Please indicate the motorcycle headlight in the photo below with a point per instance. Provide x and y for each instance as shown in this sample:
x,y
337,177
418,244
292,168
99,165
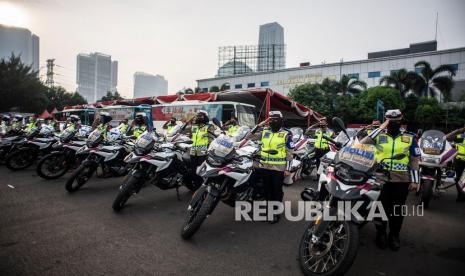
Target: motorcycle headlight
x,y
432,160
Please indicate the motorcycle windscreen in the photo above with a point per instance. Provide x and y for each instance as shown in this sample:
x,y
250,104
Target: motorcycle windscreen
x,y
360,157
222,146
433,142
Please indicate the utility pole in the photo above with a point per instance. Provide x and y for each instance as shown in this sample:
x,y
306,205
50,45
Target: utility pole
x,y
49,82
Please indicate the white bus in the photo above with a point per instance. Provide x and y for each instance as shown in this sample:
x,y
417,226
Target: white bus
x,y
222,110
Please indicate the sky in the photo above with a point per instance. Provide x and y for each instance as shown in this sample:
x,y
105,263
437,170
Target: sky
x,y
180,39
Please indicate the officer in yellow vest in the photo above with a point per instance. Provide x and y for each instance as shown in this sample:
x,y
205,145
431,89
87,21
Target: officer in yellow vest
x,y
170,125
231,126
458,136
32,123
17,123
201,133
321,145
138,126
123,126
273,167
402,174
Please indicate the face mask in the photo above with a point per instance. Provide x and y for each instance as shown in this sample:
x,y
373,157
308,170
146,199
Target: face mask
x,y
275,125
393,128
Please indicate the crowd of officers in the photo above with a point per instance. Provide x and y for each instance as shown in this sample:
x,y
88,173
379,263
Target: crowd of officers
x,y
388,138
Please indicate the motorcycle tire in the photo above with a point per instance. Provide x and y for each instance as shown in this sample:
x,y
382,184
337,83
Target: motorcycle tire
x,y
203,202
20,159
80,176
127,189
58,160
346,255
426,193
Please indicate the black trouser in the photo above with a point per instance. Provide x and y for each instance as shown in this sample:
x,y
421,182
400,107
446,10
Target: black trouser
x,y
459,166
393,197
272,184
195,162
319,153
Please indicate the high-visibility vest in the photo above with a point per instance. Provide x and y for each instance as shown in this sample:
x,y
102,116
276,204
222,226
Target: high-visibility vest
x,y
387,147
232,130
170,127
276,141
320,142
138,130
460,147
199,138
123,128
30,125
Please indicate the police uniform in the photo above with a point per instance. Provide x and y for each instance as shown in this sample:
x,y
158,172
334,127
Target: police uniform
x,y
400,174
232,129
321,144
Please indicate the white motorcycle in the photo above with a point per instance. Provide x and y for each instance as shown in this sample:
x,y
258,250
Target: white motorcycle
x,y
108,157
163,164
436,154
303,154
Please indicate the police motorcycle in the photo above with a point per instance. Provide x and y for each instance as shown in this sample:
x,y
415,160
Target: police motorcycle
x,y
436,154
63,156
162,162
227,174
10,142
107,155
38,143
303,154
329,246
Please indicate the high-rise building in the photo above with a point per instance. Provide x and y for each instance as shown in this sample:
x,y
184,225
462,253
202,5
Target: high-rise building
x,y
96,74
20,42
146,85
271,47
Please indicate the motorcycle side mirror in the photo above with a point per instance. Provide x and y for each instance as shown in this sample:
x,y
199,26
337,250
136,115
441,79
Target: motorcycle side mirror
x,y
339,125
270,151
216,122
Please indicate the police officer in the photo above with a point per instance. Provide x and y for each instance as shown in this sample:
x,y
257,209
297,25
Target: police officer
x,y
17,123
321,145
32,123
103,121
201,133
402,174
73,123
459,162
139,125
231,126
123,126
273,167
170,125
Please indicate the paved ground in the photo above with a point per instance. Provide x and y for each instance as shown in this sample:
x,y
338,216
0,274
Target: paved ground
x,y
46,231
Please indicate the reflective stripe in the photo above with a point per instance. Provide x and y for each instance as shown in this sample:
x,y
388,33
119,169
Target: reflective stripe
x,y
320,142
387,147
275,141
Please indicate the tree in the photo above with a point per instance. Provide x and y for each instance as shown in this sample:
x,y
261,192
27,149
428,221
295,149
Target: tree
x,y
111,97
188,91
349,85
400,80
197,90
59,98
435,82
312,96
225,86
214,88
367,105
428,113
20,88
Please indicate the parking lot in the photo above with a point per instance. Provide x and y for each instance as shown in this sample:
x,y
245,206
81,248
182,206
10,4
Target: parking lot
x,y
46,231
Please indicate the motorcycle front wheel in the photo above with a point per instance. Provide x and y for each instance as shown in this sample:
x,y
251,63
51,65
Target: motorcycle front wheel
x,y
20,159
333,254
127,189
426,192
79,177
199,208
52,166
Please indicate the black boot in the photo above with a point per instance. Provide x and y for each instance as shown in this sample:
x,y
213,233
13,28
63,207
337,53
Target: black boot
x,y
381,239
394,242
460,197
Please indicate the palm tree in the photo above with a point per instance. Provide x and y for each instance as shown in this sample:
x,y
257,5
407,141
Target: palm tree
x,y
350,85
400,80
224,86
214,88
433,82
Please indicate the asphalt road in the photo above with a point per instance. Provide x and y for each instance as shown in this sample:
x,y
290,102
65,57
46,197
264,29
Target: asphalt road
x,y
46,231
